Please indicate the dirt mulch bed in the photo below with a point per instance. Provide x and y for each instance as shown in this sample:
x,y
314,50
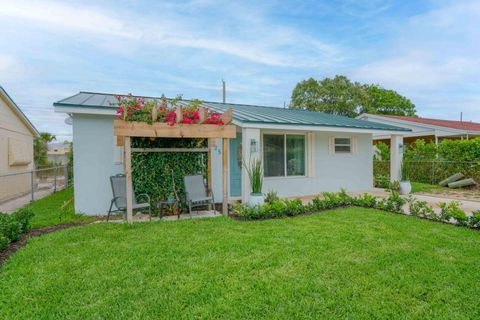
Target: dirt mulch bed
x,y
13,247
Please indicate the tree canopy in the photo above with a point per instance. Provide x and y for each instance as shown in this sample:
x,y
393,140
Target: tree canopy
x,y
40,148
343,97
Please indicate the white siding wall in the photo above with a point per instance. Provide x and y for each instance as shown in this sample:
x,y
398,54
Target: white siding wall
x,y
93,162
331,172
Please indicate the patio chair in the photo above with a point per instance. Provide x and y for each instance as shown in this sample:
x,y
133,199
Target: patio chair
x,y
119,191
196,193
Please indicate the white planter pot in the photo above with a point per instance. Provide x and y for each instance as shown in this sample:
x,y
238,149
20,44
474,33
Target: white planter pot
x,y
255,199
405,187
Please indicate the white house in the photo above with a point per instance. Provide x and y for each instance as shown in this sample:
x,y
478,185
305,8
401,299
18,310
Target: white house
x,y
304,153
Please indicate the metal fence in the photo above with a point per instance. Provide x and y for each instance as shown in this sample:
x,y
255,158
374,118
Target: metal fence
x,y
431,172
20,188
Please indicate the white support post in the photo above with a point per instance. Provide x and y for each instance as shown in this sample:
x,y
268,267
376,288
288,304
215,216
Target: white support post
x,y
396,157
251,150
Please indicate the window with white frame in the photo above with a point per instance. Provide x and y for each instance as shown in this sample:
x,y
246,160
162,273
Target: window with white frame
x,y
343,145
283,155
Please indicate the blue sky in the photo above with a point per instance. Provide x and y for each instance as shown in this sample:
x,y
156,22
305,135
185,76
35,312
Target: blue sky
x,y
426,50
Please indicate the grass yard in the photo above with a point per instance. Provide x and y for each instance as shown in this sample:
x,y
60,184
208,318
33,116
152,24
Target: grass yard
x,y
424,187
346,263
55,209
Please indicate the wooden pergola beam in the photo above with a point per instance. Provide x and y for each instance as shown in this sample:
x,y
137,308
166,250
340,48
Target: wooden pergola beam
x,y
164,130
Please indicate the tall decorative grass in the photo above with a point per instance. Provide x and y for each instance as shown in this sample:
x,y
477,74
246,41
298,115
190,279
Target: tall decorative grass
x,y
255,174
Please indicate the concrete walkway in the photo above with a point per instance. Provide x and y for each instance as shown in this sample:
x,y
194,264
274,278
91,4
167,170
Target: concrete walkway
x,y
11,205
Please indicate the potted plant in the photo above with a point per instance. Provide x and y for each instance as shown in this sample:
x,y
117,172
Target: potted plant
x,y
255,175
405,187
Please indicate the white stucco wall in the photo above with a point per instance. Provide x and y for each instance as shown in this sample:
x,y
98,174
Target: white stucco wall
x,y
331,172
93,162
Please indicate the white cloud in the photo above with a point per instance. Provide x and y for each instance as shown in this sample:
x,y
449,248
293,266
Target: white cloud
x,y
77,17
434,49
256,40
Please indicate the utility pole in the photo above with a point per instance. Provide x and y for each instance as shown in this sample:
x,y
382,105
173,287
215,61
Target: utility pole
x,y
224,91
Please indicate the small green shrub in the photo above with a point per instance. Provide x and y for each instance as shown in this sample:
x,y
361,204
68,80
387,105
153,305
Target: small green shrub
x,y
344,199
23,216
452,210
393,203
420,208
271,196
9,227
331,200
294,207
4,241
366,200
317,204
474,219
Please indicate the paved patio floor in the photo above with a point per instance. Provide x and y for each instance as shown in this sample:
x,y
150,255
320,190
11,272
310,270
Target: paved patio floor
x,y
201,214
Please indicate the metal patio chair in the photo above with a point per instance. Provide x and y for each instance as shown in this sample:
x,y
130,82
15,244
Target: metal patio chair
x,y
119,191
196,193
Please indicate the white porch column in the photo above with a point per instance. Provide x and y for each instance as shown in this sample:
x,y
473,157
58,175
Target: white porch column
x,y
251,150
396,157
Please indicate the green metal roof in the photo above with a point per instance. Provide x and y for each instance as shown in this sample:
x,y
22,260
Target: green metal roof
x,y
242,113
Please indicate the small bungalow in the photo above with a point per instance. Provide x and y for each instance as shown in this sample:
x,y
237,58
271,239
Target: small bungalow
x,y
303,153
430,130
16,148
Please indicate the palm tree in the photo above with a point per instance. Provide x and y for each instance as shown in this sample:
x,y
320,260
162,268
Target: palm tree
x,y
40,147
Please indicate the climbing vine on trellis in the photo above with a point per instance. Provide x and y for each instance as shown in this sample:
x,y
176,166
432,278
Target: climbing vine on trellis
x,y
152,172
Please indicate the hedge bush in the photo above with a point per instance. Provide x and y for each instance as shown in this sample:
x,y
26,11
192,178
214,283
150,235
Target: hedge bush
x,y
152,171
278,208
13,225
431,163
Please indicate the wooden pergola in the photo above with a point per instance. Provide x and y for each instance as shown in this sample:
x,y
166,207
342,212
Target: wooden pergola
x,y
125,130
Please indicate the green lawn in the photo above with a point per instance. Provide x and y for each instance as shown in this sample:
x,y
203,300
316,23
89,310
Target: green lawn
x,y
424,187
346,263
54,209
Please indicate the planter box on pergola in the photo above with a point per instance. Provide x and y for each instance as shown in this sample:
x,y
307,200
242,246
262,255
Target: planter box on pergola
x,y
124,130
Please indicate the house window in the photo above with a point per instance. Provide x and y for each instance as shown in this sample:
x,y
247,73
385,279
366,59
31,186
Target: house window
x,y
283,155
343,145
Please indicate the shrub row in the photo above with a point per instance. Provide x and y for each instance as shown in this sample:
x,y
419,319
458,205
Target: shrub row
x,y
13,225
277,208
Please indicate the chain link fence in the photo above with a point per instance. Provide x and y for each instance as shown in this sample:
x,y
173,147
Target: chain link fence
x,y
20,188
431,172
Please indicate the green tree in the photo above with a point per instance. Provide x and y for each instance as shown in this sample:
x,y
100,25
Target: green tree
x,y
383,101
40,148
344,97
336,96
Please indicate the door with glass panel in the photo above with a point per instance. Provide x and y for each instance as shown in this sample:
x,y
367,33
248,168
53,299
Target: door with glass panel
x,y
235,156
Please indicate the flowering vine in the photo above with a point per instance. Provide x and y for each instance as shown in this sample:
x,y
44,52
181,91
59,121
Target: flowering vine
x,y
131,108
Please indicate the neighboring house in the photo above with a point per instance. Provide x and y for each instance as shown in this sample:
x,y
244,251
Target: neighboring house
x,y
16,148
430,130
58,153
304,153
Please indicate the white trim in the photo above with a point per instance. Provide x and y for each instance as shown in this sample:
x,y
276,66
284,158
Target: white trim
x,y
93,110
316,128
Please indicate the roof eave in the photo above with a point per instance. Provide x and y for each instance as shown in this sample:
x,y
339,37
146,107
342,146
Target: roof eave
x,y
19,112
